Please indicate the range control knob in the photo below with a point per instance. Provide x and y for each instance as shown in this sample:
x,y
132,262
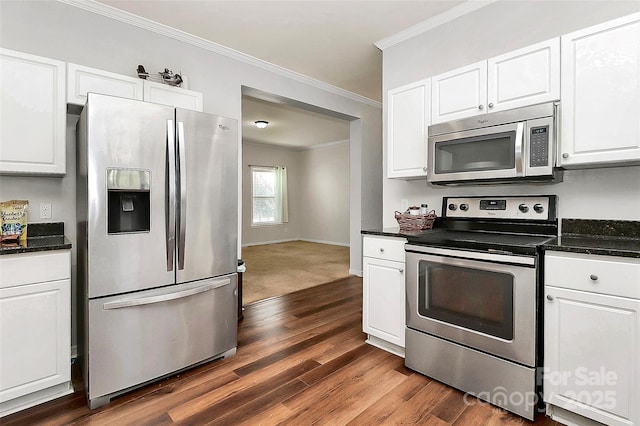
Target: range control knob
x,y
523,208
464,207
538,208
453,207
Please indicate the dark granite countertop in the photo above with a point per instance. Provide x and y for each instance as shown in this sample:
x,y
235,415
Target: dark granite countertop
x,y
392,232
600,237
40,237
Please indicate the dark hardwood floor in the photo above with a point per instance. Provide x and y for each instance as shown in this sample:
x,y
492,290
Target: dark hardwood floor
x,y
301,360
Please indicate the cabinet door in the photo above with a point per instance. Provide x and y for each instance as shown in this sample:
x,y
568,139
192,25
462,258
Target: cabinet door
x,y
591,352
601,94
408,115
82,80
383,310
33,120
164,94
459,93
35,330
524,77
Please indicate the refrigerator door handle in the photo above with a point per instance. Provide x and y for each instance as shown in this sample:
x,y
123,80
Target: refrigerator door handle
x,y
171,204
183,194
117,304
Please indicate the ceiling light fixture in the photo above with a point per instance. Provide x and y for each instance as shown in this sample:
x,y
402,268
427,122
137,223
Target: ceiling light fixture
x,y
261,124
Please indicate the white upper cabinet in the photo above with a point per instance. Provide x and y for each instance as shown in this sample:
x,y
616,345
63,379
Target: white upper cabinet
x,y
33,119
601,95
164,94
82,80
459,93
526,76
408,115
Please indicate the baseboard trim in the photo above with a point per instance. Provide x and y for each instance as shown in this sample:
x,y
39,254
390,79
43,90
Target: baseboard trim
x,y
357,273
35,398
384,345
332,243
261,243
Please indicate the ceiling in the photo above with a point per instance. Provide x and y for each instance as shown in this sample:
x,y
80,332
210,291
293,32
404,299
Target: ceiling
x,y
289,126
330,41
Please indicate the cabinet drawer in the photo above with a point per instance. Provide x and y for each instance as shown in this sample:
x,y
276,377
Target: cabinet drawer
x,y
610,275
387,248
31,268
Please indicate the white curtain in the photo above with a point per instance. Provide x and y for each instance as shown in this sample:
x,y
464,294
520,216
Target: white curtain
x,y
282,200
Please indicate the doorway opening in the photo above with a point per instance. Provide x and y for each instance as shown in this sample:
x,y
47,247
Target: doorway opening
x,y
303,241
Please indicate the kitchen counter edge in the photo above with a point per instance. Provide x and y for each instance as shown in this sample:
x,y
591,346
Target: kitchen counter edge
x,y
391,232
598,237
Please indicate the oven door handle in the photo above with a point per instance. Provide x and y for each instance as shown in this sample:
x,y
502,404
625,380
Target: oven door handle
x,y
500,257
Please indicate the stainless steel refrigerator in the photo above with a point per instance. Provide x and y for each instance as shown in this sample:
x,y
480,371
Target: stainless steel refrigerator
x,y
157,213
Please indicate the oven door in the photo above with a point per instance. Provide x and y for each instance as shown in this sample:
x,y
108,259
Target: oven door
x,y
489,153
480,300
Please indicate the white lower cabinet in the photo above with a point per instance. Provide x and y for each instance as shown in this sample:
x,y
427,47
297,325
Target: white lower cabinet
x,y
383,310
592,339
35,329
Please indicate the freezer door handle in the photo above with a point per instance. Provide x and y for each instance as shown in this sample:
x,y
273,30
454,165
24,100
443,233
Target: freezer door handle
x,y
183,194
171,195
127,303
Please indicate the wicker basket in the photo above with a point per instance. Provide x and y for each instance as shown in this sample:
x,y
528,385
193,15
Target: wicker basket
x,y
412,222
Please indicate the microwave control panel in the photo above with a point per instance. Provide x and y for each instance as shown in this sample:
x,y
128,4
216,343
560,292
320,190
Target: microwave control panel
x,y
539,146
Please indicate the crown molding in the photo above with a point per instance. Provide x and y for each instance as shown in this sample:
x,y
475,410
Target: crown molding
x,y
440,19
165,30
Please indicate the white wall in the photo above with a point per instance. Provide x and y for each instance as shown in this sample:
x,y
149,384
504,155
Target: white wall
x,y
324,210
610,193
318,193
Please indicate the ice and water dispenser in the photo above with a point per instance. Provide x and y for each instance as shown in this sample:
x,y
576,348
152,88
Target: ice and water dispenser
x,y
128,201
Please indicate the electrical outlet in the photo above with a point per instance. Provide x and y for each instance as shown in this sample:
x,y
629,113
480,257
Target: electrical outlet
x,y
45,210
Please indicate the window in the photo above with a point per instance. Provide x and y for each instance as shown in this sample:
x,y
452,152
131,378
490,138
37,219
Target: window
x,y
269,195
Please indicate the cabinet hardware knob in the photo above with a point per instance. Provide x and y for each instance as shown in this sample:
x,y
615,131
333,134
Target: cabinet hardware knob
x,y
381,250
593,277
549,297
491,105
424,169
480,106
401,271
565,155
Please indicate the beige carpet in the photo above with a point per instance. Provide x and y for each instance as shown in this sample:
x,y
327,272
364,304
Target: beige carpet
x,y
276,269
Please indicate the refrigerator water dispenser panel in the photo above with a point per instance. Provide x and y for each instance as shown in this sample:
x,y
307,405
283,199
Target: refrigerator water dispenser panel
x,y
128,197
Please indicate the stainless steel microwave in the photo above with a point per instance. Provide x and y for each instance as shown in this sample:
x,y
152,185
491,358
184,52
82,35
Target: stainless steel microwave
x,y
516,145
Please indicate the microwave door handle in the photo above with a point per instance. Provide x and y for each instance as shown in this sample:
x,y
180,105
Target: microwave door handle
x,y
183,195
519,154
170,215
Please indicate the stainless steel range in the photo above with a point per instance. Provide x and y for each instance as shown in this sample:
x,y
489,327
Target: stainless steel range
x,y
473,297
